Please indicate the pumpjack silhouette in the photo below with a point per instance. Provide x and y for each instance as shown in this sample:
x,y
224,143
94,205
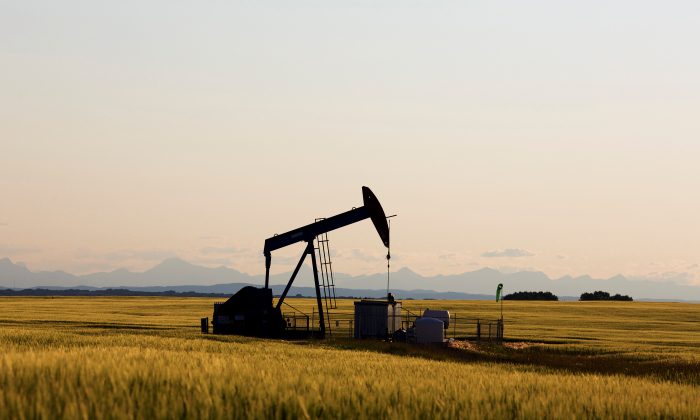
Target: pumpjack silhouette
x,y
251,312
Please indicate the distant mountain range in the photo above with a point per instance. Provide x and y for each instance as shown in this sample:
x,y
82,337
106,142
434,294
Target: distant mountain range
x,y
181,276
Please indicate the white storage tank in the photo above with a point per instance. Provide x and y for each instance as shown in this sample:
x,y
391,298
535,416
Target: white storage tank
x,y
441,314
429,330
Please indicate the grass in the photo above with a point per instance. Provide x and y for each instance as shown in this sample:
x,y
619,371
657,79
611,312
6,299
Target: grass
x,y
145,358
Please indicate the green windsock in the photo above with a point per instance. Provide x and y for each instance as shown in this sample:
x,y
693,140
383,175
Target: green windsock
x,y
498,292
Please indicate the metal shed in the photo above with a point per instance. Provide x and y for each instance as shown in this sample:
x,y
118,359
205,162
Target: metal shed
x,y
377,318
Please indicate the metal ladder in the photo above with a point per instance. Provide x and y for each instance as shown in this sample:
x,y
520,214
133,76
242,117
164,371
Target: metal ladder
x,y
326,270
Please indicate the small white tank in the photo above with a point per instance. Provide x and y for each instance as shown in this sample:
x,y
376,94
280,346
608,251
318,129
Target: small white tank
x,y
441,314
429,330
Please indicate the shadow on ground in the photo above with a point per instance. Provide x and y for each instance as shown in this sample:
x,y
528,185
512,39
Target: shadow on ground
x,y
536,355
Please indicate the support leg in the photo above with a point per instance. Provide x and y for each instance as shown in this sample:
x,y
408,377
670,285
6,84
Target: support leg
x,y
310,250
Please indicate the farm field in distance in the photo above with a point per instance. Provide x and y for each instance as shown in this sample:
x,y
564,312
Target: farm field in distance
x,y
146,358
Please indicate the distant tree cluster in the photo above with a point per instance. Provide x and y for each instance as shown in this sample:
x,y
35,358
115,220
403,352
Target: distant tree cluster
x,y
599,295
106,292
531,296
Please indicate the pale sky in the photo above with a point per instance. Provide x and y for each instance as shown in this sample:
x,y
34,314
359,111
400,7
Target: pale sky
x,y
558,136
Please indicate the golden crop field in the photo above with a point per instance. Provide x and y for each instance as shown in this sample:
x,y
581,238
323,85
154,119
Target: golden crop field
x,y
145,358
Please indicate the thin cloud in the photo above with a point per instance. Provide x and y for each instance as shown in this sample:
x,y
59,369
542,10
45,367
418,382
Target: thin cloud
x,y
450,256
363,256
219,250
508,253
142,255
214,250
12,249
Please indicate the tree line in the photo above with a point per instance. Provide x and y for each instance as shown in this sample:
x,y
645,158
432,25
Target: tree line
x,y
105,292
531,296
600,295
597,295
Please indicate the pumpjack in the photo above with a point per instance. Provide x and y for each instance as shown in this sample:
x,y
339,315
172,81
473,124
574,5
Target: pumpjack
x,y
251,312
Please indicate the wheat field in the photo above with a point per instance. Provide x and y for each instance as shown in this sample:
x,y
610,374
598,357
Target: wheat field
x,y
145,358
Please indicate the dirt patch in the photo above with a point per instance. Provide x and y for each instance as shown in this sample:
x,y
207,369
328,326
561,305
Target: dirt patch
x,y
519,345
474,346
463,345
